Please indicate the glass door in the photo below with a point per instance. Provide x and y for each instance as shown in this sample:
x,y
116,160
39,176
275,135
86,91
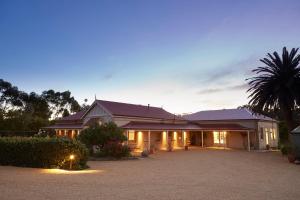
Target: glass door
x,y
219,137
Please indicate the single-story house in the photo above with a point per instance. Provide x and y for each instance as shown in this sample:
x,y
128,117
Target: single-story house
x,y
149,127
230,127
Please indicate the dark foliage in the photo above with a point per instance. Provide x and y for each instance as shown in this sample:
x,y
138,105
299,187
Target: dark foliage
x,y
42,152
114,149
277,85
20,111
106,138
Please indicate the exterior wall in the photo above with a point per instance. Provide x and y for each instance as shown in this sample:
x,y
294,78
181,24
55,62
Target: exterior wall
x,y
158,140
97,112
255,141
262,139
236,140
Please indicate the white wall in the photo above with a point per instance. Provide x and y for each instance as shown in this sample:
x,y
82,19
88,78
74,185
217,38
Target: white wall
x,y
268,125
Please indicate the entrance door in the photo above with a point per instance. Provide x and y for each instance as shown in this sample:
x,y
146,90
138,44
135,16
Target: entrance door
x,y
219,138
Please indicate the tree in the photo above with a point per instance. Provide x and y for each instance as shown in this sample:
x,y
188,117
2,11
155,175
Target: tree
x,y
20,111
277,85
100,135
61,103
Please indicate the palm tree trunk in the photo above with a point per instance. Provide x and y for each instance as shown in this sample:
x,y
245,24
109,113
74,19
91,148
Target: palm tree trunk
x,y
288,119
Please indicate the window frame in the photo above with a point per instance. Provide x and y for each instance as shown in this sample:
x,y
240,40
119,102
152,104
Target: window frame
x,y
131,135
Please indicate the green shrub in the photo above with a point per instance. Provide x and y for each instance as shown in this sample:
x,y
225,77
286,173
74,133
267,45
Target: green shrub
x,y
114,149
42,152
286,148
99,135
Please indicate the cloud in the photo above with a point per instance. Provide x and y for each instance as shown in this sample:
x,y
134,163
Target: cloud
x,y
215,90
107,76
242,67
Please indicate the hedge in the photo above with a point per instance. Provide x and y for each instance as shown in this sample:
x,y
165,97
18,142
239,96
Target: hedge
x,y
42,152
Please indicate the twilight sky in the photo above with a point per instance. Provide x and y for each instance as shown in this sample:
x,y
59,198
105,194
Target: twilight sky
x,y
183,55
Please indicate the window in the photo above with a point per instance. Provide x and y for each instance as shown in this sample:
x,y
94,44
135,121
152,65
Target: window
x,y
131,135
219,137
267,136
261,133
216,137
273,133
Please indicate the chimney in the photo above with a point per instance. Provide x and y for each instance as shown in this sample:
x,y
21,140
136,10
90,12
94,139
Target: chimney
x,y
148,105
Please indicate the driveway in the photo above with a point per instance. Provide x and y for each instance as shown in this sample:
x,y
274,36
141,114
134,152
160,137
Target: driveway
x,y
194,174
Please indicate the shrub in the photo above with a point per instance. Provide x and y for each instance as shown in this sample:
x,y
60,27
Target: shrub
x,y
42,152
285,148
114,149
107,138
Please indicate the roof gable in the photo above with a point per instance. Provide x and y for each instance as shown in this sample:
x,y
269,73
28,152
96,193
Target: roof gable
x,y
133,110
226,114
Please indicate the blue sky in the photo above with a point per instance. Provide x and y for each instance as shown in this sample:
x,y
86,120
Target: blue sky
x,y
183,55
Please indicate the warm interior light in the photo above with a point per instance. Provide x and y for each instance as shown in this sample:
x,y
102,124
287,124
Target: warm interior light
x,y
164,140
219,137
72,157
140,139
131,134
175,144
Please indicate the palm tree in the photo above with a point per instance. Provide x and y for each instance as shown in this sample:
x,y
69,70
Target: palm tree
x,y
277,85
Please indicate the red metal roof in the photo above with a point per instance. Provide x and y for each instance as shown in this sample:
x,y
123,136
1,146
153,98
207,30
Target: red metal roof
x,y
226,114
133,110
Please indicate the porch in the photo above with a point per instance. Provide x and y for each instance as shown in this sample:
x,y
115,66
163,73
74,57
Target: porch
x,y
158,136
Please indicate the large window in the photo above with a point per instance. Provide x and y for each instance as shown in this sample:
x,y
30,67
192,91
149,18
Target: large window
x,y
219,137
273,133
267,136
131,135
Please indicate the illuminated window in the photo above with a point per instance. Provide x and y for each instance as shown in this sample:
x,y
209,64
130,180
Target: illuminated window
x,y
219,137
273,133
267,136
131,135
216,137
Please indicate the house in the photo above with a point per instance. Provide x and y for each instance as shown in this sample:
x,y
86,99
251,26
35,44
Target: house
x,y
235,127
149,127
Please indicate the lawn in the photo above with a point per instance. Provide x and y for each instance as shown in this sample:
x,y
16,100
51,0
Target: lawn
x,y
194,174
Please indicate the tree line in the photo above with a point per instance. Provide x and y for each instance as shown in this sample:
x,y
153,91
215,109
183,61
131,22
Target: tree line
x,y
22,111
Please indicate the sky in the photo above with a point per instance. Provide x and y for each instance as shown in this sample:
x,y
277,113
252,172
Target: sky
x,y
184,56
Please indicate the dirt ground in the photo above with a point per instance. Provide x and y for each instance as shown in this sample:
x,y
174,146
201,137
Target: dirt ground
x,y
194,174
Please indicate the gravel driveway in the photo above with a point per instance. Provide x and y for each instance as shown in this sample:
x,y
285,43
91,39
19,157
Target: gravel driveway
x,y
194,174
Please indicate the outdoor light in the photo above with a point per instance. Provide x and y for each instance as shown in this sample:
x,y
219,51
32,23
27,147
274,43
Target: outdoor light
x,y
72,157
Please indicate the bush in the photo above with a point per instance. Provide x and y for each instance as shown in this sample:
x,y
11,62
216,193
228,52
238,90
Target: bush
x,y
114,149
42,152
107,139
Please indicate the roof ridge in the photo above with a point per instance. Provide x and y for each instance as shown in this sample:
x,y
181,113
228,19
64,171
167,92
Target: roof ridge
x,y
130,104
215,110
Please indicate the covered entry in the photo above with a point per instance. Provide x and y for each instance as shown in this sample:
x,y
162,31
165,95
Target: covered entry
x,y
159,136
223,135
